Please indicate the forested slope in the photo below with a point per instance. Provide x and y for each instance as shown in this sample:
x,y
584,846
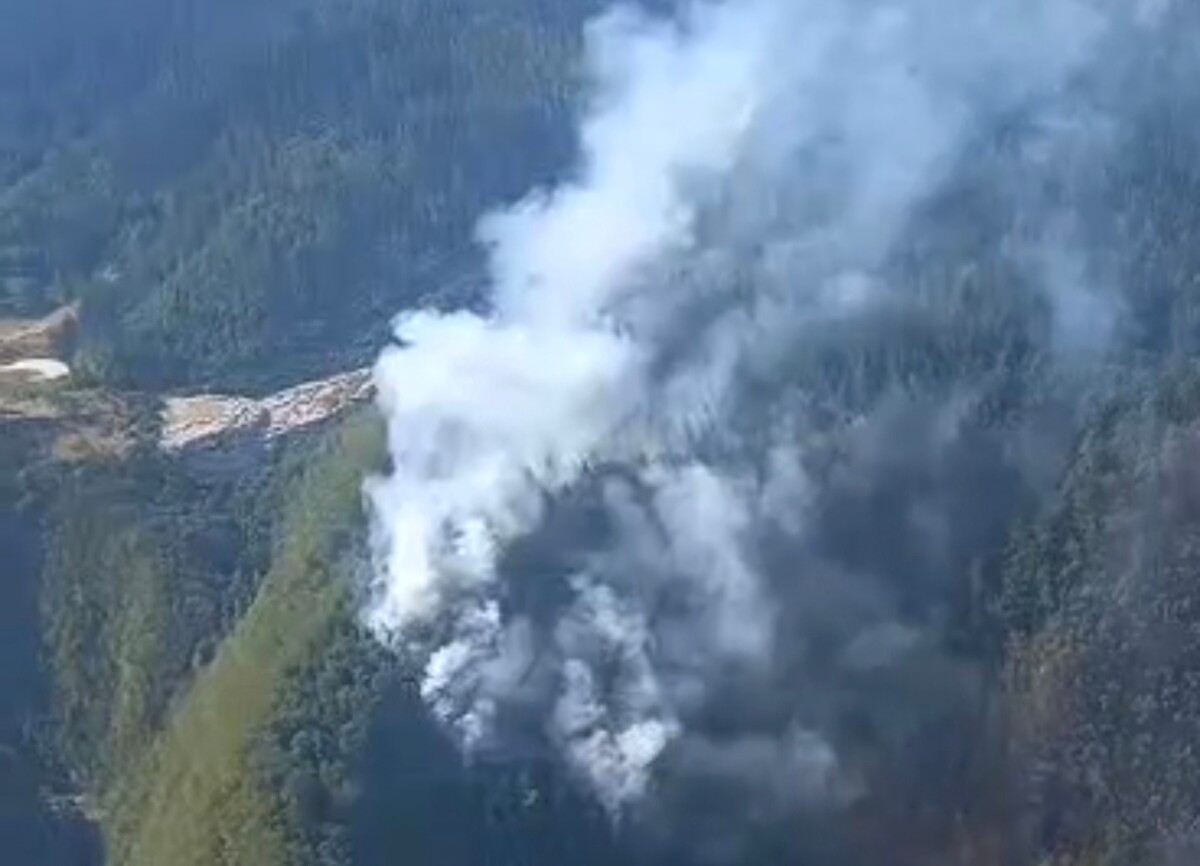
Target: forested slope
x,y
240,196
243,195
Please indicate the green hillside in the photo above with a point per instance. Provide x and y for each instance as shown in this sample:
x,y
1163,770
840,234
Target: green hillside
x,y
267,186
241,195
194,796
166,685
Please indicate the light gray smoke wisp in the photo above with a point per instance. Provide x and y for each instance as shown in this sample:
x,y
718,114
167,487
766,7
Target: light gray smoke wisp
x,y
624,321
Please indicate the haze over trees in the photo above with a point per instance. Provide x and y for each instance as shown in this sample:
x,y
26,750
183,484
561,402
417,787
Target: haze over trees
x,y
241,196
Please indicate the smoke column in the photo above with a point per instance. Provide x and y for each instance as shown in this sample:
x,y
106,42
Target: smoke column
x,y
602,528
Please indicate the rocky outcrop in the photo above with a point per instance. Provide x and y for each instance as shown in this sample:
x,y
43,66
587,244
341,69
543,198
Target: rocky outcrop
x,y
219,432
210,432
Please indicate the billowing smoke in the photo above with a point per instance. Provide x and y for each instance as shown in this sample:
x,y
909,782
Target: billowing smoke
x,y
676,507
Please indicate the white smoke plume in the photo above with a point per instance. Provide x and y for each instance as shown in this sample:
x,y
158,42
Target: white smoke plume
x,y
746,168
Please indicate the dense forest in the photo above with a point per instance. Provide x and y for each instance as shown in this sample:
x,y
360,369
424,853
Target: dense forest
x,y
240,196
219,184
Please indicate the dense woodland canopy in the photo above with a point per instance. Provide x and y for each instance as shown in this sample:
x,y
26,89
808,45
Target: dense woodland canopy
x,y
242,194
215,180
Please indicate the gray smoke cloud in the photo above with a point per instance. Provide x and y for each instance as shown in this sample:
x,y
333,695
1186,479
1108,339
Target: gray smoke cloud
x,y
620,520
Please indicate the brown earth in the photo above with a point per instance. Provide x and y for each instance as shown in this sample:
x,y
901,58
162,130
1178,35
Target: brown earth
x,y
48,337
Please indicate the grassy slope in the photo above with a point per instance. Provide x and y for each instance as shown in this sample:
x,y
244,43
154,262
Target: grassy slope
x,y
195,799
